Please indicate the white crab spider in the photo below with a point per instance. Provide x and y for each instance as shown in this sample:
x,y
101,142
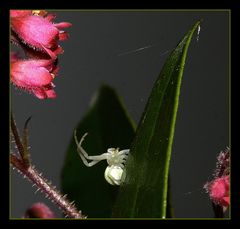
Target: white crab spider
x,y
115,159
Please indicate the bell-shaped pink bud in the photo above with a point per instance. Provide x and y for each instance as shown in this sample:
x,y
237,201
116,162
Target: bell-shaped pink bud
x,y
39,210
39,32
218,190
35,76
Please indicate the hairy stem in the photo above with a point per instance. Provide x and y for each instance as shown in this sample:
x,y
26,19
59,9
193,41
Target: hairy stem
x,y
17,138
34,176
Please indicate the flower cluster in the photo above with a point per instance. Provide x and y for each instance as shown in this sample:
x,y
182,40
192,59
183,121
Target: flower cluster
x,y
218,188
37,35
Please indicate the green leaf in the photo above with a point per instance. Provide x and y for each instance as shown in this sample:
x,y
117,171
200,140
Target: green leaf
x,y
169,213
143,194
108,125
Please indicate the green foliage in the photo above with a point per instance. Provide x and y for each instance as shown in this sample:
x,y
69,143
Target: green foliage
x,y
144,192
108,125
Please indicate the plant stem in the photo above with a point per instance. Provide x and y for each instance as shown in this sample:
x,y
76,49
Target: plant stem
x,y
218,211
34,176
17,138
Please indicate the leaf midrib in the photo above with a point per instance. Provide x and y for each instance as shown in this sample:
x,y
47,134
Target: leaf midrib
x,y
173,120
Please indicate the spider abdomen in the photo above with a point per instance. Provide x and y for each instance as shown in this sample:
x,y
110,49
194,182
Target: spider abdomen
x,y
113,174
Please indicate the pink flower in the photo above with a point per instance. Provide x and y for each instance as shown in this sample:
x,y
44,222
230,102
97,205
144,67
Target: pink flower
x,y
218,190
39,210
20,13
40,32
35,76
38,36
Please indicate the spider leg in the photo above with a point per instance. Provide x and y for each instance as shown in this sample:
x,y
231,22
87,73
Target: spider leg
x,y
123,157
79,147
125,151
98,157
121,166
88,164
83,154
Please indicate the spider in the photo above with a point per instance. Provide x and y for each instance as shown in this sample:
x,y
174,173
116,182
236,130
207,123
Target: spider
x,y
115,159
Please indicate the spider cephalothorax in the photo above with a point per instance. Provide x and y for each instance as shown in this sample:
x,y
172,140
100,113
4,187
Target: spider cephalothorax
x,y
114,157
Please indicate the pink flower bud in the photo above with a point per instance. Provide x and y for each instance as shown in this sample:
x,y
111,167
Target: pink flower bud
x,y
39,32
218,190
39,210
19,13
35,76
38,36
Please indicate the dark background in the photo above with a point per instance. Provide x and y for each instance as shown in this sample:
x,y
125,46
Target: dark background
x,y
101,49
